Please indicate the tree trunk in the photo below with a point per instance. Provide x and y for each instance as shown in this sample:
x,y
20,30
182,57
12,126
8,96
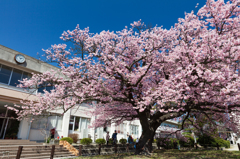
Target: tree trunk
x,y
146,135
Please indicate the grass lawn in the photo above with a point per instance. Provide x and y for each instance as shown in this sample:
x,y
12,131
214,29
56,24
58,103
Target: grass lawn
x,y
173,154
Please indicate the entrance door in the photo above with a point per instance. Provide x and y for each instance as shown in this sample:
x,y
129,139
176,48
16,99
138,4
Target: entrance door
x,y
2,126
71,125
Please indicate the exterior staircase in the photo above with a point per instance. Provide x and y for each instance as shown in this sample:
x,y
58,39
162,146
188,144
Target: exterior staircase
x,y
31,150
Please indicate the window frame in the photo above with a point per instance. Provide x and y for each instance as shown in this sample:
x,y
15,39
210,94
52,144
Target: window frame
x,y
10,77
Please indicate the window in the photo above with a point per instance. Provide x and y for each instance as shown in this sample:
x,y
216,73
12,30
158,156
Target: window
x,y
134,129
121,128
78,123
45,86
11,76
5,74
47,123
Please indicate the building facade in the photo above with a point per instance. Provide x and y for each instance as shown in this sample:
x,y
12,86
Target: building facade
x,y
16,66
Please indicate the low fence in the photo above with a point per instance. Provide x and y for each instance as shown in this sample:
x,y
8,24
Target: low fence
x,y
195,146
20,148
99,149
80,149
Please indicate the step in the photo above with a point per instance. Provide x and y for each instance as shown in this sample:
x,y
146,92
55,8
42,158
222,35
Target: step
x,y
43,155
29,146
38,151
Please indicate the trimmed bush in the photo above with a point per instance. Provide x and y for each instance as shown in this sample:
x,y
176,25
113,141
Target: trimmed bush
x,y
189,143
167,143
110,141
123,141
74,137
100,141
221,143
206,140
68,139
86,141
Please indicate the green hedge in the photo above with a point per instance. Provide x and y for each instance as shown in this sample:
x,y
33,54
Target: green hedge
x,y
86,141
189,143
100,141
167,143
110,141
206,140
68,139
123,141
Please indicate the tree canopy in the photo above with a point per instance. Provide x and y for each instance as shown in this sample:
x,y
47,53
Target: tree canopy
x,y
133,74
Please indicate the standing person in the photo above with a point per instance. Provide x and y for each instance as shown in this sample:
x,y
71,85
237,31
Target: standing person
x,y
130,139
52,132
137,140
114,137
107,137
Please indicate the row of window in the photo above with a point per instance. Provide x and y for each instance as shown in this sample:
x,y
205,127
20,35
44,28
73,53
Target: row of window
x,y
122,129
134,130
12,76
169,125
48,123
78,123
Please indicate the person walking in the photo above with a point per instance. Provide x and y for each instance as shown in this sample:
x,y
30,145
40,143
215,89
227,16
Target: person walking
x,y
52,132
107,137
114,137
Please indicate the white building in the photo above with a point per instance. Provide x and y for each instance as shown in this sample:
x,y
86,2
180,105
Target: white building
x,y
15,66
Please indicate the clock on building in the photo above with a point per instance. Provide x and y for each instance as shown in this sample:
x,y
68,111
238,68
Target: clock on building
x,y
19,58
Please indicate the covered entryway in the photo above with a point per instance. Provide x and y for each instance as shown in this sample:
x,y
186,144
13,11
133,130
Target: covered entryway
x,y
8,123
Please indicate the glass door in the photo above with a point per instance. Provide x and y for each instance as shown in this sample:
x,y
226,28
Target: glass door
x,y
71,125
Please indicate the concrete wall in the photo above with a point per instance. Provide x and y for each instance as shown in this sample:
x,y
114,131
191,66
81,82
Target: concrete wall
x,y
31,65
23,129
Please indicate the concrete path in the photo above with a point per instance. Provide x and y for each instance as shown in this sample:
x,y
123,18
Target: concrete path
x,y
233,148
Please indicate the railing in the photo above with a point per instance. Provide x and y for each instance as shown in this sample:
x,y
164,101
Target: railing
x,y
116,146
20,148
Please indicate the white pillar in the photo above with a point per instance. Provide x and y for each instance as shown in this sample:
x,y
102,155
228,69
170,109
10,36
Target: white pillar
x,y
128,127
65,123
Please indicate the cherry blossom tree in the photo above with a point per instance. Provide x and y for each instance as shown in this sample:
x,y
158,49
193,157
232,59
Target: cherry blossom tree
x,y
135,74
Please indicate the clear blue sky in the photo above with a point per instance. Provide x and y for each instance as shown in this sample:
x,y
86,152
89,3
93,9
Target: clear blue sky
x,y
28,26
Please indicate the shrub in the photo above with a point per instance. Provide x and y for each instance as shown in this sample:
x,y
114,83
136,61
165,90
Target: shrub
x,y
86,141
123,141
68,139
110,141
48,139
100,141
206,140
167,143
221,143
74,137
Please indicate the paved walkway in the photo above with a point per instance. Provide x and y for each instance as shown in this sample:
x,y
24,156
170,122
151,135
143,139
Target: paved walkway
x,y
233,148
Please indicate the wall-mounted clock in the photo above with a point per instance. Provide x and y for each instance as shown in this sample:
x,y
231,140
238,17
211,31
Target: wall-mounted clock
x,y
19,58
